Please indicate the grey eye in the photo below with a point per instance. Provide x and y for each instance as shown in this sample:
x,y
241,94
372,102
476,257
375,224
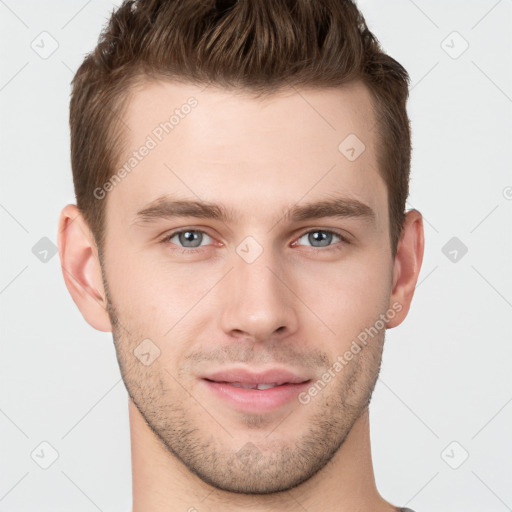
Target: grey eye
x,y
190,238
319,238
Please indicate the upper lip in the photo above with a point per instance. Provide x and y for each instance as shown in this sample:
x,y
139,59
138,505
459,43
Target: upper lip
x,y
270,376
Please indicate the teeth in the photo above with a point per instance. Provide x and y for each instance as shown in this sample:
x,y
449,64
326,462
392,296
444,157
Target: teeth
x,y
254,386
266,386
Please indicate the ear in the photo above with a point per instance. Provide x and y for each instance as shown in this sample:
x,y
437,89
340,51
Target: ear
x,y
81,268
407,265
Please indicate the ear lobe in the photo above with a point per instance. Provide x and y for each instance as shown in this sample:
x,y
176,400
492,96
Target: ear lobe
x,y
407,265
81,268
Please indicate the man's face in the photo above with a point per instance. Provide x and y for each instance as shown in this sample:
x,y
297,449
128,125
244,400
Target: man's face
x,y
262,290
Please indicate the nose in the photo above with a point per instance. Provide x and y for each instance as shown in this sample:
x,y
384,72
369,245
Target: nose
x,y
257,300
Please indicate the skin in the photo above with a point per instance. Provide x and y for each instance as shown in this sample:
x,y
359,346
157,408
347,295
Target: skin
x,y
297,305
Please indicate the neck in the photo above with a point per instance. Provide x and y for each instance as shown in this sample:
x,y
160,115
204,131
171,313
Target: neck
x,y
162,483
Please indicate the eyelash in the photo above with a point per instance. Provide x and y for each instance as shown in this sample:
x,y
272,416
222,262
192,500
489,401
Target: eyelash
x,y
189,250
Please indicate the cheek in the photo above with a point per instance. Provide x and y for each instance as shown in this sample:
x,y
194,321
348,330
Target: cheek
x,y
155,294
347,296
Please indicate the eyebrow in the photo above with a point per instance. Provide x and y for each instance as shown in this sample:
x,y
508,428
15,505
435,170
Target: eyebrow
x,y
338,207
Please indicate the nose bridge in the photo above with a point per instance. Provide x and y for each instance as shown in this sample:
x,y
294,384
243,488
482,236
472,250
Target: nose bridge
x,y
257,303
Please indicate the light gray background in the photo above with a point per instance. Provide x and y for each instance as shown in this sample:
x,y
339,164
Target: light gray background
x,y
446,369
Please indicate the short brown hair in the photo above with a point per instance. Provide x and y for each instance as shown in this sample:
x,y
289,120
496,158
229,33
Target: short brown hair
x,y
260,46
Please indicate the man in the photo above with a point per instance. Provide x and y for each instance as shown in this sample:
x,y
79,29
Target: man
x,y
241,171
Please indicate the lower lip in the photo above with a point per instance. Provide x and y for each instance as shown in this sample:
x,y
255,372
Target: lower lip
x,y
256,400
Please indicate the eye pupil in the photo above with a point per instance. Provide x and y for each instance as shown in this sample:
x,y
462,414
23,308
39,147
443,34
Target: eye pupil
x,y
323,237
193,237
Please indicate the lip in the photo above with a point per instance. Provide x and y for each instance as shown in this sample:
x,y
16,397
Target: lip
x,y
290,384
270,376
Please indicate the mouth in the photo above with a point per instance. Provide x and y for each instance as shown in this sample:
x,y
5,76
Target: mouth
x,y
256,392
260,386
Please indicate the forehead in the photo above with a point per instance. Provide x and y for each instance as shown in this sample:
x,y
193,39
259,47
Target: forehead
x,y
230,114
228,146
